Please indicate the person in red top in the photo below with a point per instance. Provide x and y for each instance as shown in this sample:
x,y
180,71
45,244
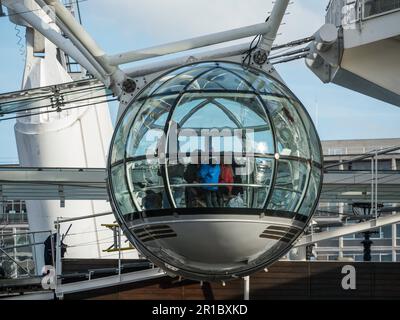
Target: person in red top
x,y
226,176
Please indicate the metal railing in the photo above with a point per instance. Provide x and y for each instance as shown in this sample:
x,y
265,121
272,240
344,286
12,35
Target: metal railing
x,y
11,244
8,218
17,251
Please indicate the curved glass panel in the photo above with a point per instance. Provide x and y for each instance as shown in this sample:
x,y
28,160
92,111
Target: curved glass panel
x,y
289,185
312,192
230,121
243,184
219,79
146,134
146,184
118,148
182,81
312,134
256,80
120,190
291,136
152,87
262,176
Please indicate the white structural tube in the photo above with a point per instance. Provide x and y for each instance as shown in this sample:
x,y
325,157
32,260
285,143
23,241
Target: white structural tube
x,y
74,138
80,33
189,44
268,29
350,229
55,37
160,66
275,21
246,293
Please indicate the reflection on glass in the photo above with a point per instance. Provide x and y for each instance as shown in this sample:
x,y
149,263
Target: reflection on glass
x,y
290,133
213,195
222,123
120,189
258,81
219,79
220,185
164,80
146,184
182,81
262,176
311,132
146,133
312,193
118,151
289,185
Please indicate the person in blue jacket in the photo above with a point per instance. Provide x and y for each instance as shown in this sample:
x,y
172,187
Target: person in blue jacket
x,y
209,173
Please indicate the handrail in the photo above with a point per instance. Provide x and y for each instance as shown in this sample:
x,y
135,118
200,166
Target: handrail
x,y
25,233
365,156
31,244
61,220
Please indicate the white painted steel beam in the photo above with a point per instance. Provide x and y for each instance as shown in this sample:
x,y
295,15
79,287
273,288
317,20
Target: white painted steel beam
x,y
188,44
268,29
74,28
274,21
159,66
80,42
350,229
64,44
107,282
34,296
45,184
67,176
79,183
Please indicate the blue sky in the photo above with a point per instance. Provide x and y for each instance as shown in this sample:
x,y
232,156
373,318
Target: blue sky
x,y
339,113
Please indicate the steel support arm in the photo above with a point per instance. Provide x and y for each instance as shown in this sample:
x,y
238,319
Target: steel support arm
x,y
149,68
112,76
79,33
110,281
53,36
275,20
189,44
268,29
350,229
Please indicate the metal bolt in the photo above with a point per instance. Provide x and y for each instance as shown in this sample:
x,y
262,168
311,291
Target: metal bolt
x,y
129,85
260,57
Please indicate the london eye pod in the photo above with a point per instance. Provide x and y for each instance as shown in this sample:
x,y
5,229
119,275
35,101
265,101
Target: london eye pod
x,y
214,170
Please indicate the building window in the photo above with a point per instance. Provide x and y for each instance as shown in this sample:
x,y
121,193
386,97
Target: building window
x,y
376,7
386,232
361,165
358,257
387,257
333,257
385,165
13,212
344,166
375,257
336,151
